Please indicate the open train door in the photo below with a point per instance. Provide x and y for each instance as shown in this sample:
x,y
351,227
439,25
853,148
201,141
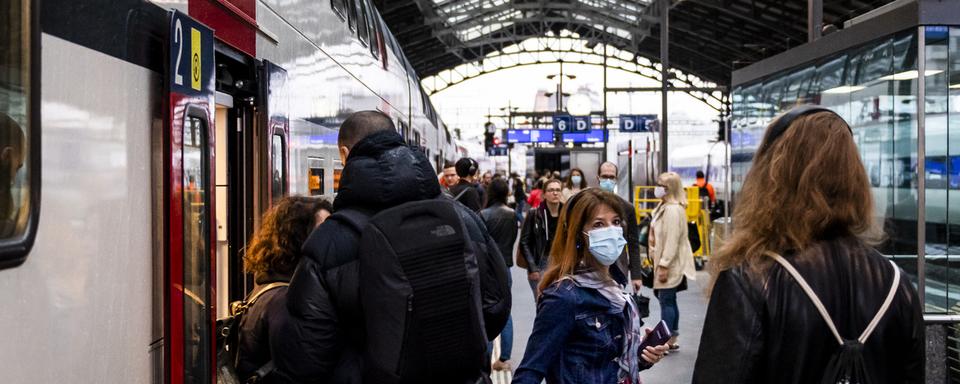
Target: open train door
x,y
277,123
188,148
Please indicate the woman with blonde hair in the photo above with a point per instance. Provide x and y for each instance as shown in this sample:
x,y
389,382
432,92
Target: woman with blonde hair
x,y
798,291
587,331
670,249
271,257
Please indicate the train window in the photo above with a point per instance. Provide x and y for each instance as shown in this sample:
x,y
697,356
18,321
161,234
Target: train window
x,y
316,175
278,181
374,31
362,25
340,8
19,130
196,252
351,14
336,180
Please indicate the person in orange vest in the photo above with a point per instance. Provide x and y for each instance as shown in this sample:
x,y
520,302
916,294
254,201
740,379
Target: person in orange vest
x,y
705,188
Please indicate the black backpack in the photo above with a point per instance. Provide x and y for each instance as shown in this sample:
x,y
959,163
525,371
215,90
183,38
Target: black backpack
x,y
228,339
847,365
420,294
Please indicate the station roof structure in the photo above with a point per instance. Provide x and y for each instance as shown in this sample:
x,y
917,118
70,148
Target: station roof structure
x,y
708,38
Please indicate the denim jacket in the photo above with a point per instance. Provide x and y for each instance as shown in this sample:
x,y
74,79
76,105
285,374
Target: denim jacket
x,y
577,338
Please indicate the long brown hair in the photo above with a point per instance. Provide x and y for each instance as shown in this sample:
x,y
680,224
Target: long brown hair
x,y
275,247
568,182
807,185
569,248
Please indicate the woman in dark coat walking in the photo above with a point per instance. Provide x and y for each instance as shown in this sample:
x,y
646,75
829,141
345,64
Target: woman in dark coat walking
x,y
798,275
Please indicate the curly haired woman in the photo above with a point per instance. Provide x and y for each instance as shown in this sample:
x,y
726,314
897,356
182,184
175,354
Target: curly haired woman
x,y
271,257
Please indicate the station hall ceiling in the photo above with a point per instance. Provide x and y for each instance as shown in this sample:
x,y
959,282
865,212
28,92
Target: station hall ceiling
x,y
708,38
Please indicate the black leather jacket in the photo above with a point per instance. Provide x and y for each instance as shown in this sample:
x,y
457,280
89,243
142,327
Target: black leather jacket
x,y
762,328
535,237
501,222
323,338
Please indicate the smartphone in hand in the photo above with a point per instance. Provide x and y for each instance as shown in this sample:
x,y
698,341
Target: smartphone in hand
x,y
660,335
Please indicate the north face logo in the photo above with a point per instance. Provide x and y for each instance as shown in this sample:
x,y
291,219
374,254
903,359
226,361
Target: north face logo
x,y
443,230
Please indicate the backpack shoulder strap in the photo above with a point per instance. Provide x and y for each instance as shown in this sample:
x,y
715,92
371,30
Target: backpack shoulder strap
x,y
457,197
806,289
823,311
263,290
886,304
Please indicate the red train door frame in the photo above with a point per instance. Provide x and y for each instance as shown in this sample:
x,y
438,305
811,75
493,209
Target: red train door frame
x,y
189,275
277,100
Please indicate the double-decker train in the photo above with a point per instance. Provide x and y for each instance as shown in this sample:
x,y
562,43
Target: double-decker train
x,y
140,141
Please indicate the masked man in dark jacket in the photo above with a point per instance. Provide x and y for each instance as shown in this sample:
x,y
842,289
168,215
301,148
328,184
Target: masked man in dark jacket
x,y
323,340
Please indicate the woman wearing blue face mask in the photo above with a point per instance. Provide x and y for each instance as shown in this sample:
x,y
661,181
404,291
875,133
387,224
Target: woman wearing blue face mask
x,y
573,184
670,249
587,329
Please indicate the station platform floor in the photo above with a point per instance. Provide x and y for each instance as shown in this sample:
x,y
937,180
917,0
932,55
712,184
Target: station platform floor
x,y
675,368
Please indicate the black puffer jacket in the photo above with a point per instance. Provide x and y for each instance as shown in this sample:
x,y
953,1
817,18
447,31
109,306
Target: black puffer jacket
x,y
764,329
321,341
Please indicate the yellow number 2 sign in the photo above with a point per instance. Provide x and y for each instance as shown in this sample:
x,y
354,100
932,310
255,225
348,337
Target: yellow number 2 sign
x,y
195,61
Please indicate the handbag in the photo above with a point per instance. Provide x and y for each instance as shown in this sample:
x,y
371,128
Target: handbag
x,y
644,232
643,304
646,271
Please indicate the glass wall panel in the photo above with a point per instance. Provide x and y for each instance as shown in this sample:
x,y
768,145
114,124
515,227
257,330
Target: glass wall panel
x,y
936,269
870,115
953,165
900,223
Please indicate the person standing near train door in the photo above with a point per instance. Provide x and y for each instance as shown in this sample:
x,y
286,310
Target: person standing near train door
x,y
345,323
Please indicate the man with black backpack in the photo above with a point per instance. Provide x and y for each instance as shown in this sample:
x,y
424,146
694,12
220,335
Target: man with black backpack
x,y
401,284
467,191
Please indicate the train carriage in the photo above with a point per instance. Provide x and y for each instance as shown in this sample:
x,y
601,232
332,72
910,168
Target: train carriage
x,y
147,138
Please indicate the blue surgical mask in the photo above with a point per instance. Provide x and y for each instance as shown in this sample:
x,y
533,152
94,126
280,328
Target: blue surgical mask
x,y
606,244
607,185
576,180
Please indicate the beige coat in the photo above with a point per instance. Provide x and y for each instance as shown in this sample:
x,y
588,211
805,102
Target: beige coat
x,y
670,247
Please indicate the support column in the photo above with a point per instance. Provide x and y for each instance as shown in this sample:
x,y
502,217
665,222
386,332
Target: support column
x,y
921,164
814,19
664,78
606,133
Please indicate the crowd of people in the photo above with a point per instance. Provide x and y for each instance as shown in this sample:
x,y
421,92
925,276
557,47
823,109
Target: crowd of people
x,y
371,288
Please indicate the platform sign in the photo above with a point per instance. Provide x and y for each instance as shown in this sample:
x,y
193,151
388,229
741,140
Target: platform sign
x,y
638,123
529,136
498,150
596,136
581,124
191,55
562,123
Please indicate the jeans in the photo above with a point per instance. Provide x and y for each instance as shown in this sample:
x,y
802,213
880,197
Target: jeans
x,y
533,288
506,335
506,341
519,211
669,312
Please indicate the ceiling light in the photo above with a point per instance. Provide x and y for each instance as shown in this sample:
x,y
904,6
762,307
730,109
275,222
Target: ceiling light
x,y
909,75
844,89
